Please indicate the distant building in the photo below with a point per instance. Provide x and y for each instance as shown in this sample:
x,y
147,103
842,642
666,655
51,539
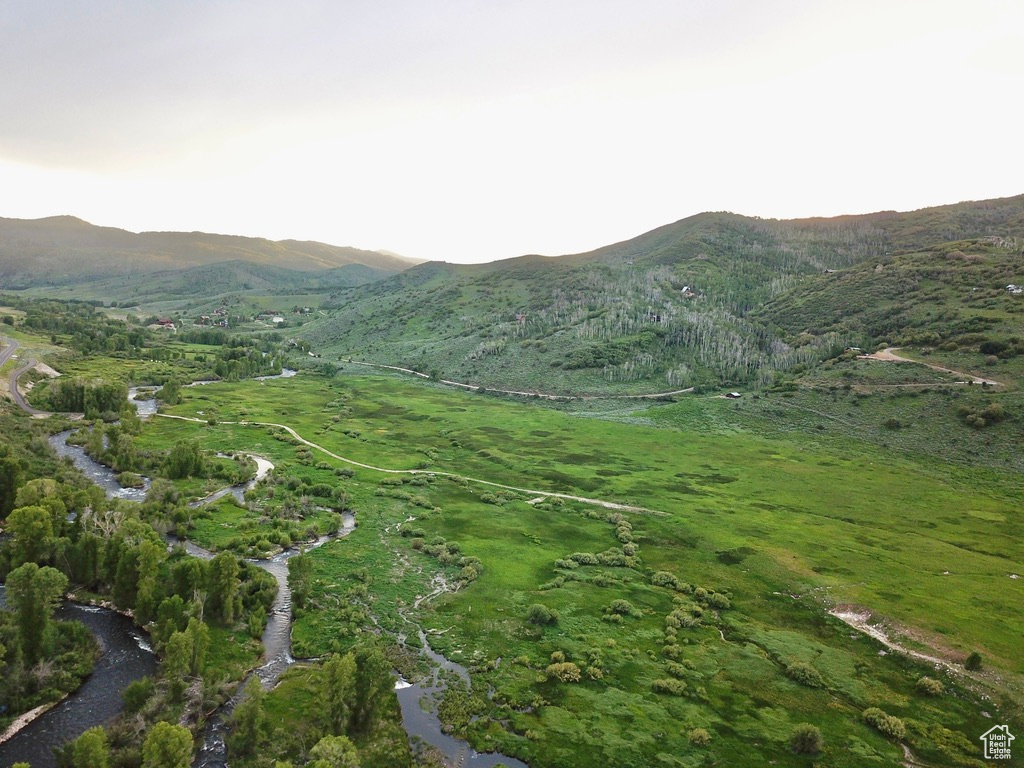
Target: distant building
x,y
734,395
1015,288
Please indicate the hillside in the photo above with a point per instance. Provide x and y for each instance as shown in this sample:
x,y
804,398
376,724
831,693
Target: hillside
x,y
202,284
678,306
62,250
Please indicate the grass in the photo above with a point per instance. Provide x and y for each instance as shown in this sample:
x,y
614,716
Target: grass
x,y
783,525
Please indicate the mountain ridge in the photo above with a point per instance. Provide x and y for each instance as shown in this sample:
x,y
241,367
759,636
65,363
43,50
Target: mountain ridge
x,y
58,250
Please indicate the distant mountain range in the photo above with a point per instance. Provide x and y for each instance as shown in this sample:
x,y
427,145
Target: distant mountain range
x,y
62,250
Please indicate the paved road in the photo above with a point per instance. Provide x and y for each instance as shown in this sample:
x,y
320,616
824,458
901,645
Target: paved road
x,y
16,393
10,347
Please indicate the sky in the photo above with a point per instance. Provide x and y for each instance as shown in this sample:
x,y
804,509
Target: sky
x,y
474,130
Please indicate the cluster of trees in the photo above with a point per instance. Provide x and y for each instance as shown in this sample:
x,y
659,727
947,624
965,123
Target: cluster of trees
x,y
355,694
90,331
61,535
95,398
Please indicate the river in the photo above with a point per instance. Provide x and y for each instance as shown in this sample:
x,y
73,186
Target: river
x,y
126,656
418,717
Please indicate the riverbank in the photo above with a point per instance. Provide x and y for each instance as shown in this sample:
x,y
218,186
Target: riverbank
x,y
26,718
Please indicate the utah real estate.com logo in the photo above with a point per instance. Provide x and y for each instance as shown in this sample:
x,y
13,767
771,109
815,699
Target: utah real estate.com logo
x,y
997,742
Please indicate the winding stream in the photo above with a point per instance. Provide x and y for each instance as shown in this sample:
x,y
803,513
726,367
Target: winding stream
x,y
126,657
64,723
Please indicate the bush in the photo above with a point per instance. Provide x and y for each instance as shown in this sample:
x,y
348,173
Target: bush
x,y
669,686
541,615
973,662
806,739
719,601
622,607
930,686
699,737
804,674
889,726
565,671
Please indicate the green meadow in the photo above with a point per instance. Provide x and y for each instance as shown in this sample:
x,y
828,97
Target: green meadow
x,y
690,614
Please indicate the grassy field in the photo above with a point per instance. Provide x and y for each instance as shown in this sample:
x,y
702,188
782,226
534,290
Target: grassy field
x,y
783,526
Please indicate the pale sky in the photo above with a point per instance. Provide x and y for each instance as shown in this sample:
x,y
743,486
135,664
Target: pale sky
x,y
473,130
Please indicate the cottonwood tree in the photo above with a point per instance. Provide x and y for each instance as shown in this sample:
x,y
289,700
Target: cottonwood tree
x,y
90,750
32,534
334,752
33,592
249,725
167,746
339,682
223,584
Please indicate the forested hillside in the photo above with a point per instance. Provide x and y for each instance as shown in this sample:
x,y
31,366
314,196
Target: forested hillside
x,y
675,307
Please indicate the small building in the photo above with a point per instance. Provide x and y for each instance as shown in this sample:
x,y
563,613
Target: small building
x,y
277,319
734,395
1016,289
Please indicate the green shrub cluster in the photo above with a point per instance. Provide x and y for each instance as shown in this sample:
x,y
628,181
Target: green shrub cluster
x,y
888,725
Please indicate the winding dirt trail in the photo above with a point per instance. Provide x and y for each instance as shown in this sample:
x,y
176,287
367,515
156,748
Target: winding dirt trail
x,y
541,395
533,492
889,355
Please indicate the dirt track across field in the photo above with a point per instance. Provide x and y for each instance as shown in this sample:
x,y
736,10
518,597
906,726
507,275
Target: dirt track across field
x,y
889,355
541,395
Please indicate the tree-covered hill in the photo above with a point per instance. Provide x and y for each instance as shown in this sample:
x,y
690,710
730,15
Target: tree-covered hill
x,y
678,306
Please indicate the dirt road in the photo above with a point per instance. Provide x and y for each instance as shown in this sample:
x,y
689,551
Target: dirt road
x,y
541,395
889,355
478,481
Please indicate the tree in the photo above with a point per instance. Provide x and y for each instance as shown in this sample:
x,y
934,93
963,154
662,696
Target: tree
x,y
806,739
300,571
373,685
199,642
973,662
170,618
90,750
339,680
223,583
31,529
334,752
171,392
150,556
184,460
10,475
249,722
33,592
167,746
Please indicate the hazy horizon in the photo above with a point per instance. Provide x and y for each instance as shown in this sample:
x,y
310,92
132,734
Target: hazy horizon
x,y
466,132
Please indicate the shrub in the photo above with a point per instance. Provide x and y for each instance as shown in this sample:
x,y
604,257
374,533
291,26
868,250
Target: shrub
x,y
665,579
718,600
699,737
889,726
622,607
565,671
540,614
669,686
804,674
806,739
973,662
929,686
